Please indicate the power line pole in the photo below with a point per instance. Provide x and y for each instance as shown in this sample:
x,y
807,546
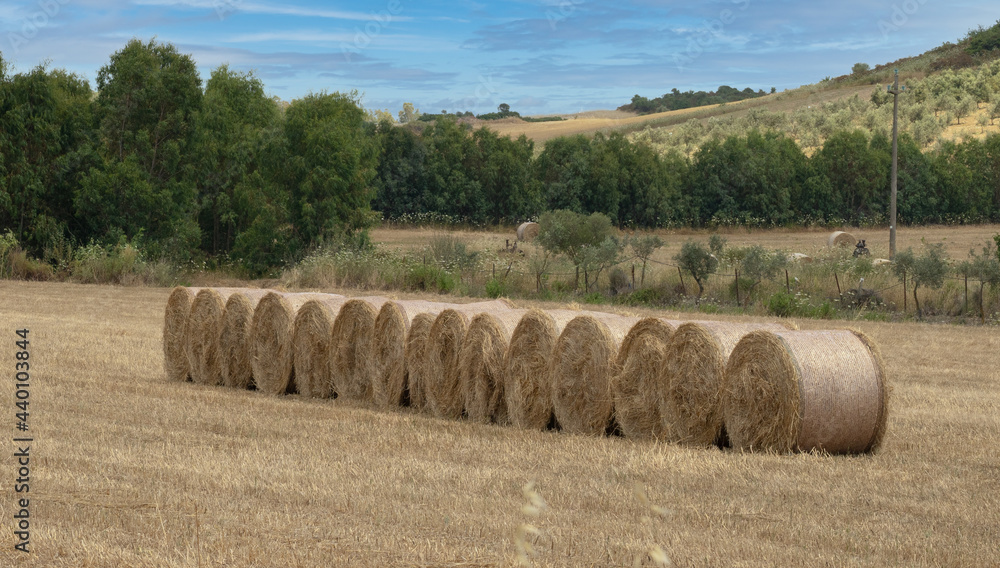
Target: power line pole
x,y
894,90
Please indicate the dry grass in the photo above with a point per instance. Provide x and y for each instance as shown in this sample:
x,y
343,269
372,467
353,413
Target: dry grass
x,y
130,469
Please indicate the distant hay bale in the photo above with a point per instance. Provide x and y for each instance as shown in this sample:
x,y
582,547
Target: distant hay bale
x,y
175,359
841,239
389,370
636,386
799,257
234,339
527,231
481,364
351,349
881,262
692,379
584,361
416,343
312,331
527,390
806,390
202,335
271,349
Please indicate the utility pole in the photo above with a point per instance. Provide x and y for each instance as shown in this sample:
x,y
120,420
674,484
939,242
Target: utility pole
x,y
894,90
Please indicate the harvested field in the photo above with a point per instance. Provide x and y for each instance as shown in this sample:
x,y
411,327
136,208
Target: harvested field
x,y
131,469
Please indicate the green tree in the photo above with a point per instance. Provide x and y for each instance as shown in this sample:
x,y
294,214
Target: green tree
x,y
569,233
332,163
860,68
756,264
401,179
595,258
857,171
928,269
235,110
699,261
148,96
408,114
643,248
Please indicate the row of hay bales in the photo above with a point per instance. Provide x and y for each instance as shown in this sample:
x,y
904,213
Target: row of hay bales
x,y
755,386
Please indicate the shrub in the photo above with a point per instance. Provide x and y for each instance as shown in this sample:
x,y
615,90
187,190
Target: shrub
x,y
497,288
430,278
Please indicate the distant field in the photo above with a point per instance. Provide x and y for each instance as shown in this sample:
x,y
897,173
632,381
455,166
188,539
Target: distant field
x,y
129,470
591,122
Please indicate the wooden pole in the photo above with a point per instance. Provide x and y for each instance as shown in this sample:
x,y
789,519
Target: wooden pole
x,y
681,274
738,287
839,293
904,292
633,276
788,285
966,293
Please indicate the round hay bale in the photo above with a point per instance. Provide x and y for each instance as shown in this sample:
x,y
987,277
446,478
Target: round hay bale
x,y
881,262
234,339
636,386
271,349
175,360
351,348
799,257
806,390
389,370
416,343
583,362
841,239
441,388
481,364
311,335
692,379
202,335
527,231
527,391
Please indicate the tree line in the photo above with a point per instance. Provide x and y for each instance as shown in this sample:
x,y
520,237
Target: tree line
x,y
194,171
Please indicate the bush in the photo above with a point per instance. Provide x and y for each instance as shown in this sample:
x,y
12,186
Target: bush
x,y
430,278
497,288
782,304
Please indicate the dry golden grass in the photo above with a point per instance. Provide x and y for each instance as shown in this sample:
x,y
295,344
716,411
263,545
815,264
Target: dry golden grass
x,y
132,470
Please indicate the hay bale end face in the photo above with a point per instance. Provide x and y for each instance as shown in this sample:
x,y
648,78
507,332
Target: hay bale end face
x,y
583,364
841,239
175,360
311,335
416,343
527,231
351,348
693,378
527,389
636,387
202,336
234,339
481,364
806,390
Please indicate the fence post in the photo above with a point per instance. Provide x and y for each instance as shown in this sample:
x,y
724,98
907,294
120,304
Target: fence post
x,y
737,287
904,292
839,293
683,287
966,294
494,271
633,276
788,285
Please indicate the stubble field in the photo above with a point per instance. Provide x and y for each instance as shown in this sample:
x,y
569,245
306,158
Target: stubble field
x,y
130,470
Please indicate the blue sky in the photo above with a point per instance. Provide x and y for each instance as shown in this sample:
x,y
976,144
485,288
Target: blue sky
x,y
538,56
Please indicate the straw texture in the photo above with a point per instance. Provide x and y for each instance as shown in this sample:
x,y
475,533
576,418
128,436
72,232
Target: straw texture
x,y
388,360
584,361
636,386
416,344
692,379
202,335
841,239
806,390
481,364
175,359
527,389
442,390
312,332
527,231
351,349
271,349
234,339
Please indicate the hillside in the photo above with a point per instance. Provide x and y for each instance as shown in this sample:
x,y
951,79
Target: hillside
x,y
954,83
